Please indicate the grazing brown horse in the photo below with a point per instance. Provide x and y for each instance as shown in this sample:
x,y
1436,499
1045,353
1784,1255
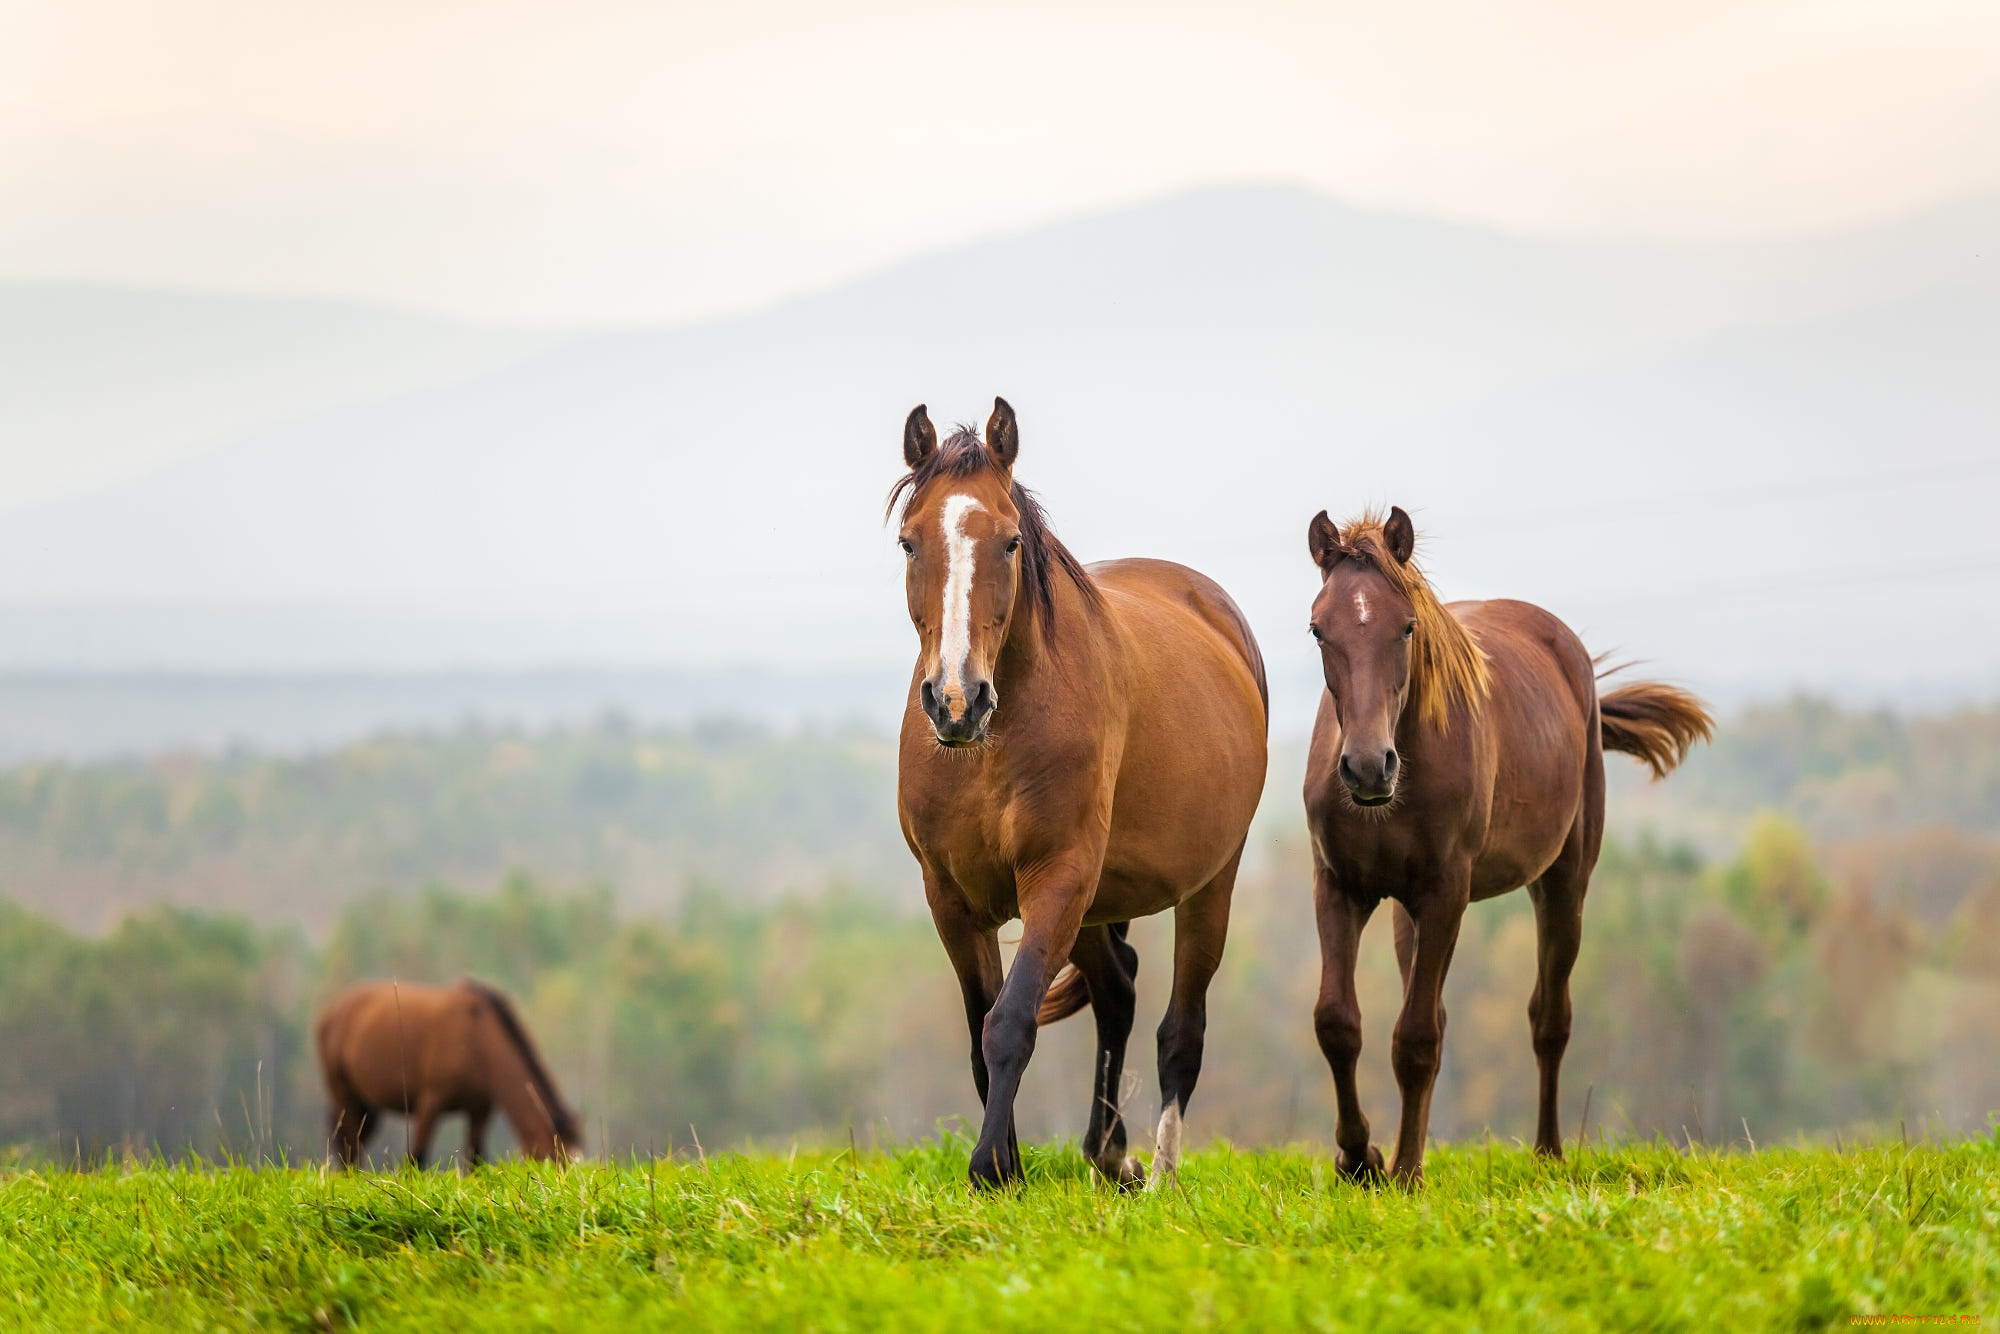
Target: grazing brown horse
x,y
431,1051
1458,754
1081,747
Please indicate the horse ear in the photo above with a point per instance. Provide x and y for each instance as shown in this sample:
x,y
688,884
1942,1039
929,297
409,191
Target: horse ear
x,y
919,436
1003,437
1323,540
1401,534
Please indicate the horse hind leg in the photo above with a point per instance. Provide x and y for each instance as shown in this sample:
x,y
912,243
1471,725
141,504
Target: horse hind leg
x,y
476,1121
1201,927
1558,898
1109,964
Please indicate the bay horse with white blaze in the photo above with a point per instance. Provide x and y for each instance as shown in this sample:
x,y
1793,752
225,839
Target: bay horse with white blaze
x,y
1081,747
430,1051
1458,754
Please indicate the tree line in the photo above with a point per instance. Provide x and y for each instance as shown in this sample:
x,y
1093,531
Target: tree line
x,y
1756,997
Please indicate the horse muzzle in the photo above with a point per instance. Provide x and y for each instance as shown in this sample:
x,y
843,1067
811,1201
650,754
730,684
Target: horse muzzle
x,y
1370,779
960,718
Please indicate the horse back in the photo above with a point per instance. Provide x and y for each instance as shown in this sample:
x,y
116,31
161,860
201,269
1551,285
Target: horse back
x,y
386,1042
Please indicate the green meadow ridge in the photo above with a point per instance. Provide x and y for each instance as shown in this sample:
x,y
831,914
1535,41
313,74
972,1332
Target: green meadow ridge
x,y
1637,1237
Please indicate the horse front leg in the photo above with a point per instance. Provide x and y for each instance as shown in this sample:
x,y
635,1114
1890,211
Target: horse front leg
x,y
1053,899
1337,1021
1418,1043
974,951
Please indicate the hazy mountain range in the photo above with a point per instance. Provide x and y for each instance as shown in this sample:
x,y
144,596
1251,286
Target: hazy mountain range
x,y
1756,465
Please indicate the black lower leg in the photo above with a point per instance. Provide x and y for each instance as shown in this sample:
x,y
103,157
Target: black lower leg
x,y
1008,1042
1113,1003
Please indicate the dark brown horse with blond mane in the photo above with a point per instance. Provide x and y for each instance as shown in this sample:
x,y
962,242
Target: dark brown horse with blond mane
x,y
1458,754
430,1051
1081,747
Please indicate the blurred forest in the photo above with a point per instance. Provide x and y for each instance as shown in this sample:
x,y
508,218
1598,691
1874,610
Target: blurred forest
x,y
294,840
716,931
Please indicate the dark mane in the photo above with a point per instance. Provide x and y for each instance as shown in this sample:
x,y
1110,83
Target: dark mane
x,y
962,454
562,1119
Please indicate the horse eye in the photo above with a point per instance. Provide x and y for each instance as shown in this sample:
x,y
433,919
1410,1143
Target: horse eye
x,y
1409,629
1313,630
909,549
1013,545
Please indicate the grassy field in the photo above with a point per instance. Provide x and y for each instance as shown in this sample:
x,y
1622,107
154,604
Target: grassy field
x,y
1635,1238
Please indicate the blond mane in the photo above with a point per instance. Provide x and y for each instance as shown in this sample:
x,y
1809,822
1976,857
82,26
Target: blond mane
x,y
1448,667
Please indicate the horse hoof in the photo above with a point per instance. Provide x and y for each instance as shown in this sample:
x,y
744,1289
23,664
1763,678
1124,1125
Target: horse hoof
x,y
1131,1175
1368,1172
992,1175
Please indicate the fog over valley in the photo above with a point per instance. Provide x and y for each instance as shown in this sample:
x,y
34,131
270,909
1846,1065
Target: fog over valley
x,y
1706,456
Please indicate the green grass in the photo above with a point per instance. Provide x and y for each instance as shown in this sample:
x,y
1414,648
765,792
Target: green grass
x,y
1634,1238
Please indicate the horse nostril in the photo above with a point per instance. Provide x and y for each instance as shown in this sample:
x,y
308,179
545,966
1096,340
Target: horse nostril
x,y
1389,762
927,697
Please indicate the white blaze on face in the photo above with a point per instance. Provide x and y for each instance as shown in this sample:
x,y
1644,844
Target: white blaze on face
x,y
1361,605
955,640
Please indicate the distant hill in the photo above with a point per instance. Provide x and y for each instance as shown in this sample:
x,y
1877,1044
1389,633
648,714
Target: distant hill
x,y
95,717
1195,377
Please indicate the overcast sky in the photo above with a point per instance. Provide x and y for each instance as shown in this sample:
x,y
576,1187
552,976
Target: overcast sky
x,y
584,162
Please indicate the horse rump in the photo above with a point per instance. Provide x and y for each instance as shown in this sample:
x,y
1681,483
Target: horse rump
x,y
1655,722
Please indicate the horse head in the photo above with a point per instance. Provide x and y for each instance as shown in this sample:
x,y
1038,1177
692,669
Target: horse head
x,y
962,538
1365,625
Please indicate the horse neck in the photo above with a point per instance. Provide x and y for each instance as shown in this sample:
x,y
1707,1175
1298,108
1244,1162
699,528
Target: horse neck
x,y
512,1087
1416,737
1040,655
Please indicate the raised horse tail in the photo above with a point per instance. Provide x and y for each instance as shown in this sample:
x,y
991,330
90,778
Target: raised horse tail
x,y
1067,994
1657,722
562,1120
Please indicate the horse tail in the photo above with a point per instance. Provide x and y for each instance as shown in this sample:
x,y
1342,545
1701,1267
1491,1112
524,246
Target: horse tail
x,y
1656,722
1067,994
562,1119
1070,991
